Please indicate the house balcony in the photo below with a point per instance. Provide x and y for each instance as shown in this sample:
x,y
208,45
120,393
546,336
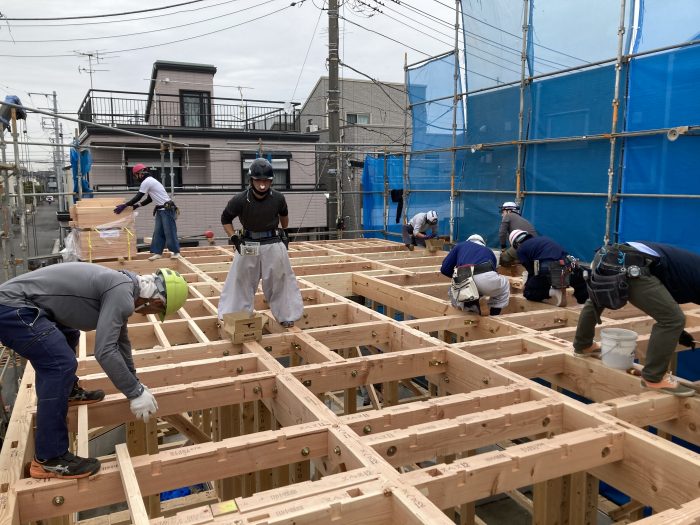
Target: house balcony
x,y
126,109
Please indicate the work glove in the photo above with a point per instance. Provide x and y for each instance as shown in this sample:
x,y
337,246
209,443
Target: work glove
x,y
144,406
120,208
235,240
284,235
686,340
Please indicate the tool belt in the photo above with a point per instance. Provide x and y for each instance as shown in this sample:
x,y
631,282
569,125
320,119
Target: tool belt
x,y
558,271
463,286
168,206
612,266
479,268
264,237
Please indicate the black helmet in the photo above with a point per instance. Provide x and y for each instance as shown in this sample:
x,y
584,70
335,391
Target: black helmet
x,y
261,169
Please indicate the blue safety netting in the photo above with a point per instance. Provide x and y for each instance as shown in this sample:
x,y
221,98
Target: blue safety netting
x,y
565,177
380,172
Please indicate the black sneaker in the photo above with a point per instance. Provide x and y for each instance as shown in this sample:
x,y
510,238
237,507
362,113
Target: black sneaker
x,y
80,396
287,324
67,466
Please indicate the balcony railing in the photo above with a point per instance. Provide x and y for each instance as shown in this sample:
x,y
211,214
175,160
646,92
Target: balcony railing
x,y
131,109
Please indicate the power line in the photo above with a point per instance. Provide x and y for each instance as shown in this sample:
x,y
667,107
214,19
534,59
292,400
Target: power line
x,y
141,32
311,41
103,16
164,43
139,18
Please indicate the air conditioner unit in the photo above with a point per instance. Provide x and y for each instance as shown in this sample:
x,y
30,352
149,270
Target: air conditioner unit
x,y
312,128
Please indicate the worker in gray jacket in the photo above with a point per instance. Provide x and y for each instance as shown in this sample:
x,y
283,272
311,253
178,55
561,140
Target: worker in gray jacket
x,y
511,221
41,315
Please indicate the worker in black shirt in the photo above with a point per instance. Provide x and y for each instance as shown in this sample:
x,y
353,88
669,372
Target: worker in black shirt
x,y
261,250
510,221
655,278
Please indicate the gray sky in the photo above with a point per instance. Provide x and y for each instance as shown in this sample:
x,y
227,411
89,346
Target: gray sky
x,y
266,56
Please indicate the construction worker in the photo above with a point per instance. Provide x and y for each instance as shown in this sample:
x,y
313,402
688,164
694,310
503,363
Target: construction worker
x,y
416,231
550,270
655,278
41,315
511,220
471,259
165,212
261,250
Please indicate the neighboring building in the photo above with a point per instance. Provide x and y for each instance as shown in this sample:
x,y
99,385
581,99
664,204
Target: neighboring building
x,y
372,119
222,136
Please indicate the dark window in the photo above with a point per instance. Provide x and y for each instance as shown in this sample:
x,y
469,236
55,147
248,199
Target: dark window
x,y
152,162
195,109
358,118
280,166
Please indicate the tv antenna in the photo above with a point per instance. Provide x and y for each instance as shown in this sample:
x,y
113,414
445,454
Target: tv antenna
x,y
92,55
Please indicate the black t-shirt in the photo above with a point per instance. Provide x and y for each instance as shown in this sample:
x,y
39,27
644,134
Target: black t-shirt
x,y
256,215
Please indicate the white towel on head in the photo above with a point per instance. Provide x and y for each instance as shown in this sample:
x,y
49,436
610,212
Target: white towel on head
x,y
148,288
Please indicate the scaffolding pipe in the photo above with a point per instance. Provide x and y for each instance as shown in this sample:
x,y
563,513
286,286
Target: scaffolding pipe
x,y
338,190
172,170
24,241
8,259
386,192
57,166
405,140
521,113
613,125
453,169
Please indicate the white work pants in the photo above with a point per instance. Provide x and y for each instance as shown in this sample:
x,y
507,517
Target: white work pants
x,y
491,284
279,284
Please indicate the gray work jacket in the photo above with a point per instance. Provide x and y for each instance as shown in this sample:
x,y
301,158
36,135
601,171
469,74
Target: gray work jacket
x,y
86,297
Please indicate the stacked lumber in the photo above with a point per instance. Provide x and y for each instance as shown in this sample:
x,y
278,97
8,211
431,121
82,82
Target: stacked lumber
x,y
101,234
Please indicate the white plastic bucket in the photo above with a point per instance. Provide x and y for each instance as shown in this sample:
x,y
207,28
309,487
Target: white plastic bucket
x,y
617,347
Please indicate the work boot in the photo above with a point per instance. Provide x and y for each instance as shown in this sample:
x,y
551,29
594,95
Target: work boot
x,y
80,396
67,466
155,257
590,351
669,385
557,296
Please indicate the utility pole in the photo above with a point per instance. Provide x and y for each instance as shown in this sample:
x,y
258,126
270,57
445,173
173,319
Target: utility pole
x,y
332,170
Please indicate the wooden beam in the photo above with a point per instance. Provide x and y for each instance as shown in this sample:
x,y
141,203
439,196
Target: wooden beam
x,y
137,510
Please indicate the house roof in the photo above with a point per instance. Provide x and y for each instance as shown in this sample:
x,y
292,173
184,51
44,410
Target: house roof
x,y
166,65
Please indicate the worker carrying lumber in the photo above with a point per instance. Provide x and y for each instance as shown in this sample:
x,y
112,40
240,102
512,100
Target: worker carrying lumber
x,y
416,231
165,213
472,267
550,270
655,278
41,315
261,250
511,220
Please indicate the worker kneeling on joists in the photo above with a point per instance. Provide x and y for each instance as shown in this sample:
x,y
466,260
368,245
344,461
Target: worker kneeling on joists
x,y
41,315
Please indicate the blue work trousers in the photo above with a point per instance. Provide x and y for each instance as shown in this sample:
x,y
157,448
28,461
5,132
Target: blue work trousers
x,y
50,348
165,232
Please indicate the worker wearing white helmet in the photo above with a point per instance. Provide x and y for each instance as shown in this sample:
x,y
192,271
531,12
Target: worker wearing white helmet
x,y
511,220
416,231
472,261
550,270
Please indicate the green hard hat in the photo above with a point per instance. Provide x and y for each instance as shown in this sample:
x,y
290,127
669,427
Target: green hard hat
x,y
174,287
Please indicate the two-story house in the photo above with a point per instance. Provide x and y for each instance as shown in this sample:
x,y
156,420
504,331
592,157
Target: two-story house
x,y
215,140
372,120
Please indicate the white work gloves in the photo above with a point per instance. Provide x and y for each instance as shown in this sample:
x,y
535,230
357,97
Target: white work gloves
x,y
144,406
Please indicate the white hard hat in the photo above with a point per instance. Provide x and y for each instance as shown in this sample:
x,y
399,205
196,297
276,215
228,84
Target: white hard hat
x,y
516,237
431,216
477,238
509,205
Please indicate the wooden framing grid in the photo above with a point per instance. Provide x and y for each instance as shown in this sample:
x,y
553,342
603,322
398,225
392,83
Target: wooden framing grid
x,y
277,431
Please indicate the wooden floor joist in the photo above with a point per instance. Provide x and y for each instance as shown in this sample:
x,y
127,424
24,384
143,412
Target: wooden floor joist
x,y
384,404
